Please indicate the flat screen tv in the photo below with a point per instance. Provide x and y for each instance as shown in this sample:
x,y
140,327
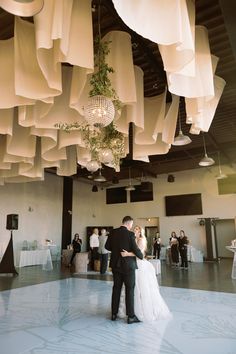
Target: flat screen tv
x,y
116,195
142,193
184,204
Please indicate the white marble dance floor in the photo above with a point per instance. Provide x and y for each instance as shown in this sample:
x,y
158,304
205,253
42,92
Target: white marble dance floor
x,y
73,316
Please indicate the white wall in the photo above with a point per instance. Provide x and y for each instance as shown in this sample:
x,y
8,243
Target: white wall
x,y
44,221
90,208
225,233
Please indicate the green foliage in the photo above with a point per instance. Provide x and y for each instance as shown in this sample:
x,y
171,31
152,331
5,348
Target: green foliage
x,y
97,138
100,82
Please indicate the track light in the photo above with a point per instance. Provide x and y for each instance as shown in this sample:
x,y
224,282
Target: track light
x,y
170,178
115,180
94,188
202,222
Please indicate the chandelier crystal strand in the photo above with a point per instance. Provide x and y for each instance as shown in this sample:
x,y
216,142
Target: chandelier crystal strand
x,y
99,111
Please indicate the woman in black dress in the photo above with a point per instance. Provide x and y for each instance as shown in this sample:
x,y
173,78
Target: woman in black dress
x,y
174,249
183,249
76,243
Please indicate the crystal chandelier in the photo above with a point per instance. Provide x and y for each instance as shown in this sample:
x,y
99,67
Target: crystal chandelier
x,y
106,145
99,111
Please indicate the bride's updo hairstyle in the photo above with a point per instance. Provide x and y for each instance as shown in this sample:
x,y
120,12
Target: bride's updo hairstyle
x,y
142,241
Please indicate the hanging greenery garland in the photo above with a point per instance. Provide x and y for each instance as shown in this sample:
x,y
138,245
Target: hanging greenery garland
x,y
97,137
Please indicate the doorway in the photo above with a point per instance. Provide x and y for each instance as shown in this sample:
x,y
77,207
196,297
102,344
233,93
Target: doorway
x,y
150,232
225,233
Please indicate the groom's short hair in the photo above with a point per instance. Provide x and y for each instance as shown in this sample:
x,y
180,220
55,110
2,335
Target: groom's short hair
x,y
127,219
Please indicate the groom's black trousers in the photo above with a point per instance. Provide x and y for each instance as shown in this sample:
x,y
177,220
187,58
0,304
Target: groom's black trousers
x,y
129,280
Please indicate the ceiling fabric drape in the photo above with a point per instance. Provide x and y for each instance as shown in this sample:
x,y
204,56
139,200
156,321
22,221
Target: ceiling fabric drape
x,y
45,71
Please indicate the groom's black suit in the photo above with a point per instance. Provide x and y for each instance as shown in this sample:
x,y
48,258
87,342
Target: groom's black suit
x,y
123,268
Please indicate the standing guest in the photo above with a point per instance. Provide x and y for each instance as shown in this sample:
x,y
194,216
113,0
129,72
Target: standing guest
x,y
123,268
76,244
103,252
94,244
183,249
174,251
157,246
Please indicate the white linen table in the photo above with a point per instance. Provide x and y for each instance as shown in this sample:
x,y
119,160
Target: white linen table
x,y
36,257
233,273
194,255
156,264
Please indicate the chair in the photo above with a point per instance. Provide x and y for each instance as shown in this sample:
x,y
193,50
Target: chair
x,y
81,261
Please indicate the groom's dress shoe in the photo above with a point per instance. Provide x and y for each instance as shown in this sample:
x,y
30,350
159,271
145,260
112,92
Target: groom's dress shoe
x,y
133,319
113,317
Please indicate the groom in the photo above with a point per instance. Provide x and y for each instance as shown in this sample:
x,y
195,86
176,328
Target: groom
x,y
123,268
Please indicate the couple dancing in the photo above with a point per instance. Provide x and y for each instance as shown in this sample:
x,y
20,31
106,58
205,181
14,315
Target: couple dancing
x,y
143,301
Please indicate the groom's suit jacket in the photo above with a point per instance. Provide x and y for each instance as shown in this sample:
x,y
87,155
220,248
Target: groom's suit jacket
x,y
122,239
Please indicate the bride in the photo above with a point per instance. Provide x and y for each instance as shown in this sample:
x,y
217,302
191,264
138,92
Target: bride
x,y
148,302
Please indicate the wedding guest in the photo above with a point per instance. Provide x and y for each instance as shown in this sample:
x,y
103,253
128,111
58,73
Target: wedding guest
x,y
76,244
174,251
94,244
103,252
157,246
183,249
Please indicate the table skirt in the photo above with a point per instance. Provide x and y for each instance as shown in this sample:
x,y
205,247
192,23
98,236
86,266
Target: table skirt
x,y
29,258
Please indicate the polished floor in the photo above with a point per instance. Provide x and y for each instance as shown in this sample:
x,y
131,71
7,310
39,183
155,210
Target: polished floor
x,y
65,314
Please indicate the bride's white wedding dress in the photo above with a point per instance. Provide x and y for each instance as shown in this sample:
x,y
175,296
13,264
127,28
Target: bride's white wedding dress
x,y
148,302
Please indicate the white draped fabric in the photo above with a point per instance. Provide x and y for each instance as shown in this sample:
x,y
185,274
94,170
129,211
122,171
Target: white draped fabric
x,y
8,97
158,13
179,57
201,84
37,91
177,17
27,85
121,60
203,111
133,112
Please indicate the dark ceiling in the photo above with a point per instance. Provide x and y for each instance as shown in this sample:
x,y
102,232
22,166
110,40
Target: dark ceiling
x,y
218,16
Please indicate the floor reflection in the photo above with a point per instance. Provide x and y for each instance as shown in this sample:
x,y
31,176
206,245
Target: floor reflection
x,y
72,316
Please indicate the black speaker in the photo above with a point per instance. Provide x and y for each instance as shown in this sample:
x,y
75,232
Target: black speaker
x,y
12,222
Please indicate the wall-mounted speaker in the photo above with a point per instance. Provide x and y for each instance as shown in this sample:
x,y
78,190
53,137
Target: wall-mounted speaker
x,y
12,222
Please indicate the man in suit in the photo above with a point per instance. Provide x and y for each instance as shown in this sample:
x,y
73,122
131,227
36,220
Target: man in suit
x,y
123,268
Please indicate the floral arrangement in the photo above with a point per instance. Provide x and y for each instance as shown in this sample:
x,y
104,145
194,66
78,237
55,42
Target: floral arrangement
x,y
101,140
